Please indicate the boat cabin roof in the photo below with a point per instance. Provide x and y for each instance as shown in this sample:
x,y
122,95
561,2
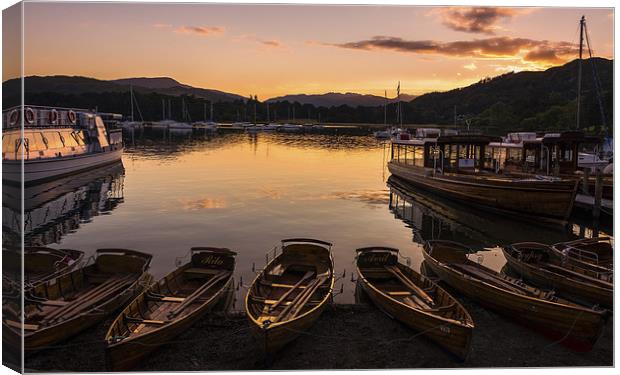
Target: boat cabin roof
x,y
463,139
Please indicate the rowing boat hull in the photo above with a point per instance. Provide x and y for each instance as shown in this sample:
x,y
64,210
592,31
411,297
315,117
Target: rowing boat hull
x,y
275,338
126,354
550,200
581,292
39,170
454,337
578,328
59,332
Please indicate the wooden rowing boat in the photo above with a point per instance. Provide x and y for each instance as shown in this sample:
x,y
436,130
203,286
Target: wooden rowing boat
x,y
61,307
595,254
415,300
40,263
170,306
573,325
531,261
289,295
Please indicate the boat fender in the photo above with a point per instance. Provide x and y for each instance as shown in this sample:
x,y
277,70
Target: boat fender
x,y
71,116
29,115
14,117
53,116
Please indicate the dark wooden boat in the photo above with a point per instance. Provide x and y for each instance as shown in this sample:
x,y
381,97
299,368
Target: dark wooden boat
x,y
454,167
61,307
531,261
595,254
40,263
415,300
170,306
289,295
573,325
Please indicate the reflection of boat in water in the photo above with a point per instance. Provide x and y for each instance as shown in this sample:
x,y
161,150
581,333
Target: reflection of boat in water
x,y
57,207
55,142
434,217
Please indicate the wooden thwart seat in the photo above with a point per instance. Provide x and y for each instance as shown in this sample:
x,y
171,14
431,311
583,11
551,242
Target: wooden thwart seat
x,y
194,297
145,321
92,297
394,270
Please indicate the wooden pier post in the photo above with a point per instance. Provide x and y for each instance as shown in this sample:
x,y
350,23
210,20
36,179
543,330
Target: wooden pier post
x,y
585,181
598,195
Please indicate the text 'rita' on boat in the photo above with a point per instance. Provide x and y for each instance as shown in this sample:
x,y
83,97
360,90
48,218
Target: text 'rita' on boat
x,y
574,326
62,307
40,263
170,306
55,142
594,254
534,263
458,167
414,299
289,295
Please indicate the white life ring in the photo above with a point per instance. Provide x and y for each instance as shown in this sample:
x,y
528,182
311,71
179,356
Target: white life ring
x,y
29,116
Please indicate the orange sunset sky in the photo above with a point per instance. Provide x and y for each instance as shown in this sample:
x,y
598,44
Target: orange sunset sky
x,y
271,50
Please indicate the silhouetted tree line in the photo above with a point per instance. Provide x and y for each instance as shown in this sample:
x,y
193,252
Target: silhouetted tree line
x,y
510,102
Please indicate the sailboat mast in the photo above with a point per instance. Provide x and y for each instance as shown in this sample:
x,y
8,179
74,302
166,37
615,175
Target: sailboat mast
x,y
131,98
385,109
582,23
211,117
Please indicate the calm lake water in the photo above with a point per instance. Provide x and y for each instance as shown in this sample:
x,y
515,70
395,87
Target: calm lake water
x,y
247,192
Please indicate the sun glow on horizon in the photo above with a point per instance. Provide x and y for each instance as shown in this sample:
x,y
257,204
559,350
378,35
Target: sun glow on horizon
x,y
274,50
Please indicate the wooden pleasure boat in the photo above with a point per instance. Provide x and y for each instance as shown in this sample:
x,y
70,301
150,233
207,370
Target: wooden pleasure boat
x,y
62,307
414,299
573,325
40,263
170,306
531,261
454,166
590,253
289,295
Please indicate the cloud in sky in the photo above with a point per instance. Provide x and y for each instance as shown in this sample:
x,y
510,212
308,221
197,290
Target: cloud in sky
x,y
542,52
269,43
199,30
480,20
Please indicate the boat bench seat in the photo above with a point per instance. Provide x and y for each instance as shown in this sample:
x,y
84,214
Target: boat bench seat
x,y
442,308
145,321
273,301
398,293
279,285
202,271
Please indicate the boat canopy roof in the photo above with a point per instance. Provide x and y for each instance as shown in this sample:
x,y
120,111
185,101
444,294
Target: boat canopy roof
x,y
463,139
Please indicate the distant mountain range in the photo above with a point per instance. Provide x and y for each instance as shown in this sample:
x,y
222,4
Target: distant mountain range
x,y
81,85
335,99
169,86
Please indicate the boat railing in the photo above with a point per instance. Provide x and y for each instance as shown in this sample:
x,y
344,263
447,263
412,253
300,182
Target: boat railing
x,y
17,116
437,151
581,254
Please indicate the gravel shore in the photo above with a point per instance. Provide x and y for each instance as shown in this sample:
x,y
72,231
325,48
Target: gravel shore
x,y
345,337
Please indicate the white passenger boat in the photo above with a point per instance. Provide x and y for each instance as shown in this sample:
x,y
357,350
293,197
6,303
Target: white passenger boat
x,y
55,142
291,128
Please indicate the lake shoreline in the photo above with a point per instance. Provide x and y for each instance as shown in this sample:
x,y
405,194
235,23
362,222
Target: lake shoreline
x,y
356,336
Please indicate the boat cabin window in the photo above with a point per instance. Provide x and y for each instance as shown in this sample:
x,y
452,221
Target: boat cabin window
x,y
409,154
